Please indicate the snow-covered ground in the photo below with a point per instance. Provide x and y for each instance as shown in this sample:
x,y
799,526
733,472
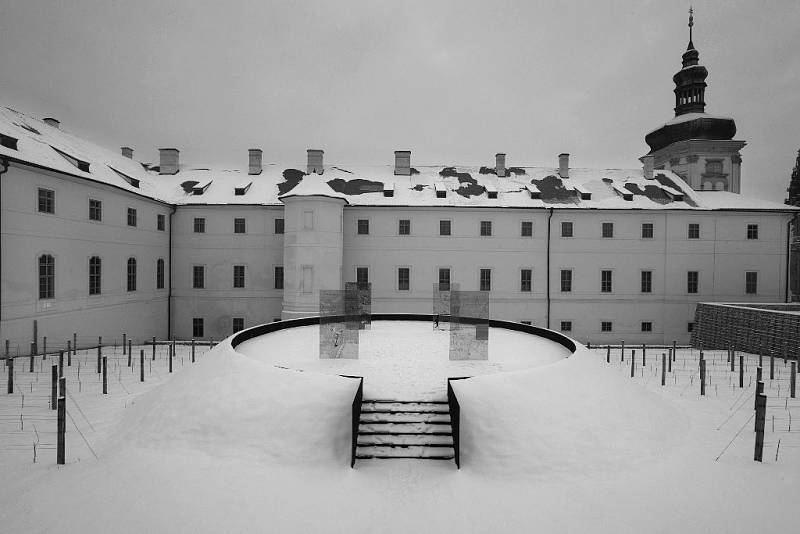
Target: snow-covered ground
x,y
233,444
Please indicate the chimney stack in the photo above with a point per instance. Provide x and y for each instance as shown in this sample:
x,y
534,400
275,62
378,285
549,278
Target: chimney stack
x,y
254,156
50,121
500,164
315,161
648,162
168,163
127,152
402,162
563,165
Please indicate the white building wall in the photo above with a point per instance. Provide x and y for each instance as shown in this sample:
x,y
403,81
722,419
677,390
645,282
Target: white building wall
x,y
72,239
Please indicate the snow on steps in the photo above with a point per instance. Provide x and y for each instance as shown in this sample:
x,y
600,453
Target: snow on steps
x,y
405,429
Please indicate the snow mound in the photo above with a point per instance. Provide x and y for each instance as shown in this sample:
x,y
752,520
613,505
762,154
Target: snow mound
x,y
229,405
574,417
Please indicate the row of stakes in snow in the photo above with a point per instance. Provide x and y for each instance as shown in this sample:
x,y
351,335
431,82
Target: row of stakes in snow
x,y
760,398
58,389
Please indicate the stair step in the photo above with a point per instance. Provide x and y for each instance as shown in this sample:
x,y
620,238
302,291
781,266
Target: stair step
x,y
399,417
395,401
405,428
405,440
415,451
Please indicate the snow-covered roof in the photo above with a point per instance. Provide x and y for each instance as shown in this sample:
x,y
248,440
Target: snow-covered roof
x,y
42,145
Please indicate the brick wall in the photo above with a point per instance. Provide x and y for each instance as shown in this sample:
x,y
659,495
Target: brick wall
x,y
755,328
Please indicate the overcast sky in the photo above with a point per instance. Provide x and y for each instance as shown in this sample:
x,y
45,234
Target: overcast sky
x,y
454,82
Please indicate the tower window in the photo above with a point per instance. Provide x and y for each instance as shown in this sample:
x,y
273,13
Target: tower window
x,y
566,229
486,228
752,231
444,227
444,279
526,280
647,230
94,275
160,273
751,282
363,227
404,227
47,201
608,229
47,276
238,276
693,231
486,280
278,277
239,226
199,225
403,279
198,277
692,281
131,274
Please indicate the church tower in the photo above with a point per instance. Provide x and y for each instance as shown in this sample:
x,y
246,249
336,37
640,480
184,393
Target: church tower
x,y
697,146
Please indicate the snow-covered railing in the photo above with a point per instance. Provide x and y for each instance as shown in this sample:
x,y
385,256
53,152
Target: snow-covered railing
x,y
356,415
455,418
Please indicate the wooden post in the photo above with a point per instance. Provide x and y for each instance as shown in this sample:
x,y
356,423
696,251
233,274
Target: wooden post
x,y
761,412
702,377
99,354
760,359
10,364
771,365
69,354
622,352
62,386
54,387
192,350
741,371
674,351
44,346
130,346
759,391
124,343
633,363
61,430
61,363
644,355
30,363
130,356
171,350
663,369
154,348
141,365
105,375
36,335
75,341
733,360
608,353
7,348
793,380
669,360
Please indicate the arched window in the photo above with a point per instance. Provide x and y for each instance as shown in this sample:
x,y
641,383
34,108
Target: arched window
x,y
94,275
160,273
47,277
131,274
719,186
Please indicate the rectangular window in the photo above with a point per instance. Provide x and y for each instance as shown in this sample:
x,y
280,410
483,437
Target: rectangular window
x,y
197,327
47,276
403,279
647,326
752,231
131,274
605,281
47,200
566,326
238,324
486,280
198,277
605,326
363,227
94,275
278,277
692,281
486,228
566,280
278,226
608,229
647,281
404,227
693,231
131,216
160,273
444,279
444,227
566,229
238,276
199,225
362,277
239,226
525,280
95,210
647,230
161,222
526,229
751,282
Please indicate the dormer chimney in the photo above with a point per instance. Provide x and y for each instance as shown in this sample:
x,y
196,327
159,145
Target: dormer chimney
x,y
315,161
563,165
168,160
50,121
254,165
127,152
402,162
648,162
500,164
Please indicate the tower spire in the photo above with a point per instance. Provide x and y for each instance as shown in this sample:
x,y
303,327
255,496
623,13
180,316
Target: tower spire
x,y
691,23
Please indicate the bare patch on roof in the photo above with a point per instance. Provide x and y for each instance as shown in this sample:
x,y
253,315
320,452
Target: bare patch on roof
x,y
343,170
552,190
414,171
355,187
291,178
666,181
654,193
419,187
468,187
29,128
188,186
511,170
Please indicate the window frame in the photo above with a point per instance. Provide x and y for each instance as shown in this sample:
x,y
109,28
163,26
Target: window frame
x,y
362,224
689,227
201,270
652,227
239,277
485,228
692,284
569,280
198,325
161,222
571,226
526,226
49,203
358,270
160,273
752,236
522,280
747,285
278,226
449,227
276,281
484,282
565,326
47,280
646,326
95,279
603,328
606,286
131,276
199,225
97,210
401,231
441,270
407,269
132,214
607,230
234,320
646,282
239,225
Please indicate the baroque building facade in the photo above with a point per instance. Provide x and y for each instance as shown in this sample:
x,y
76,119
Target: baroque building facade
x,y
96,243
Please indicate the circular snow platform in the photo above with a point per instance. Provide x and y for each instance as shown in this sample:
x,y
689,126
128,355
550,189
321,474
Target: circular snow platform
x,y
402,356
